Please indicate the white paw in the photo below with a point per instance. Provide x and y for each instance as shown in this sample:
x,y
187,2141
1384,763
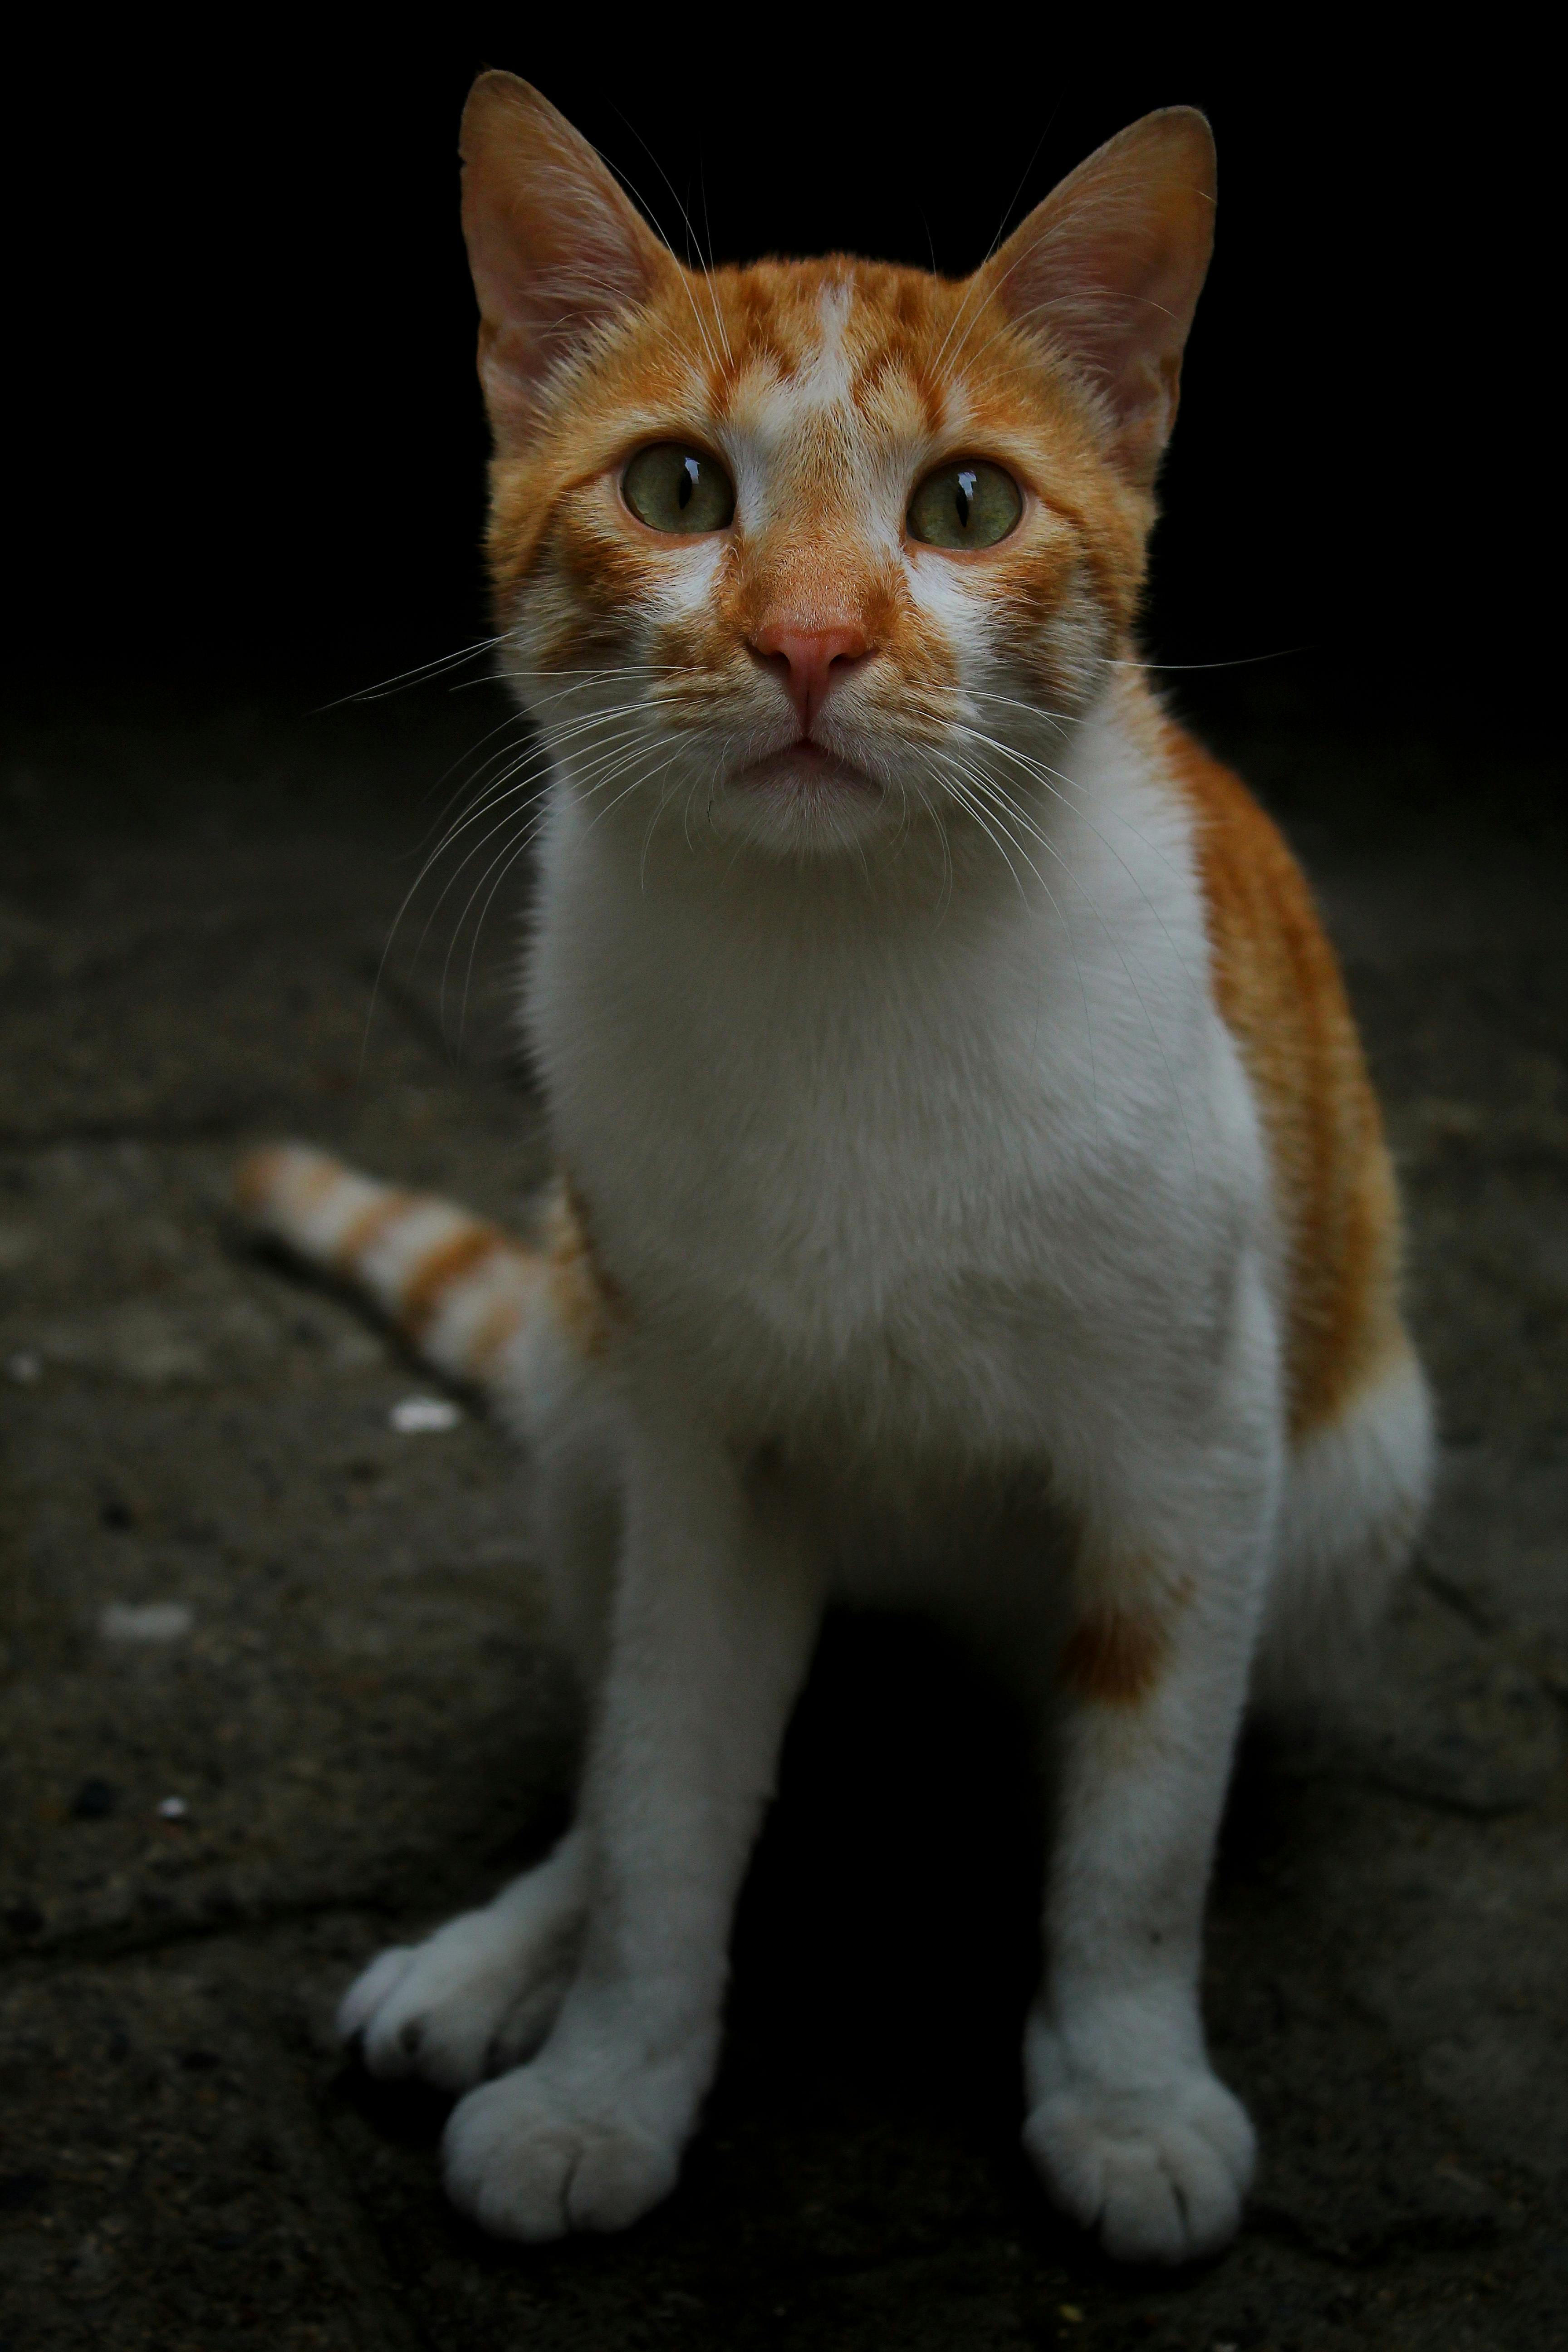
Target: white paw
x,y
1158,2172
529,2157
477,1996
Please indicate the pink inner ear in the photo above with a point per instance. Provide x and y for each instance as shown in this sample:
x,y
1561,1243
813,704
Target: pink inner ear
x,y
555,248
1110,268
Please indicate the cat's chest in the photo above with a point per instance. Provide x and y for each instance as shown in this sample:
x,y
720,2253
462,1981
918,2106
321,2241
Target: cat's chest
x,y
831,1249
855,1172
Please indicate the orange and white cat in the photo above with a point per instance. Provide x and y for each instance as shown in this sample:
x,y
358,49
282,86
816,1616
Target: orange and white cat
x,y
971,1195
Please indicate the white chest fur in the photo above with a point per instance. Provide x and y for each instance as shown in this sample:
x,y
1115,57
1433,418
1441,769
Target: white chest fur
x,y
904,1154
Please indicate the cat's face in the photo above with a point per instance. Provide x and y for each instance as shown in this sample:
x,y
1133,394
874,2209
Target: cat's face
x,y
813,553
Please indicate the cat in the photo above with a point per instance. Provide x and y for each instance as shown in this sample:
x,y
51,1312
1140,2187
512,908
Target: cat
x,y
971,1195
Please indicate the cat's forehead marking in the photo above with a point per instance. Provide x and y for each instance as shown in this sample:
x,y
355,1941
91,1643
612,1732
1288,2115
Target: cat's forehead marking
x,y
825,390
792,363
825,377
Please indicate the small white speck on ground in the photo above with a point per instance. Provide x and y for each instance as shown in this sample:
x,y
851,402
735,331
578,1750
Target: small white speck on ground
x,y
148,1621
25,1367
418,1416
173,1809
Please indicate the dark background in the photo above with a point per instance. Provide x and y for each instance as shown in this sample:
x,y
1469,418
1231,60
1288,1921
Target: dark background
x,y
256,449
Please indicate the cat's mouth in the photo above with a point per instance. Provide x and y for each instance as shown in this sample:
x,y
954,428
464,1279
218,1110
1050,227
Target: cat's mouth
x,y
800,799
805,768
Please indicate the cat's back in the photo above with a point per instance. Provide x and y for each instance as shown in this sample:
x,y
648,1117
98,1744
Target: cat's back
x,y
1277,987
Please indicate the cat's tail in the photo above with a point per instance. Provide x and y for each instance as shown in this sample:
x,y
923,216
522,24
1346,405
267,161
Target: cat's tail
x,y
461,1291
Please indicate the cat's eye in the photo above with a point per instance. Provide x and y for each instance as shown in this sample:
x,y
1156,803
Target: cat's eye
x,y
674,488
970,504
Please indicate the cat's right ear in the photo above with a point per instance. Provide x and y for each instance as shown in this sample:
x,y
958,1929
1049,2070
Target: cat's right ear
x,y
557,251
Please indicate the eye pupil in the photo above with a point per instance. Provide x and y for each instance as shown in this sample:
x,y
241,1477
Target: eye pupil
x,y
687,483
965,496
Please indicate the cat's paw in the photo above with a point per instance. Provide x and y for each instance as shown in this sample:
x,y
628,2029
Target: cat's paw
x,y
533,2157
477,1996
1158,2173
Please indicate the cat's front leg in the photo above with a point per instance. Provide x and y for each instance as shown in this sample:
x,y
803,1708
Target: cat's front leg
x,y
715,1614
1133,2132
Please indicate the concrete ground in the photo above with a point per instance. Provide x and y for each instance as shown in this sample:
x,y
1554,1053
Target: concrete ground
x,y
275,1688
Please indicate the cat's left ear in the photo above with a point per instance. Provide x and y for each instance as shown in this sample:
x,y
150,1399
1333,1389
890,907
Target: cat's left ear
x,y
557,251
1110,269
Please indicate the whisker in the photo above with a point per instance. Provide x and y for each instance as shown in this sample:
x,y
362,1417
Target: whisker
x,y
1071,940
1237,661
473,851
635,191
706,273
1042,776
407,678
959,791
544,754
506,858
1120,954
492,798
513,720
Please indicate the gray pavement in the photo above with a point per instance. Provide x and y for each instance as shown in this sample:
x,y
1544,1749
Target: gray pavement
x,y
228,1581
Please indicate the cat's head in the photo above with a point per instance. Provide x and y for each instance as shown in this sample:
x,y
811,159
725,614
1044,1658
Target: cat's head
x,y
814,551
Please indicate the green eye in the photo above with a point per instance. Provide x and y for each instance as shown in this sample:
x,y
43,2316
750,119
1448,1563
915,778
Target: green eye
x,y
970,504
672,487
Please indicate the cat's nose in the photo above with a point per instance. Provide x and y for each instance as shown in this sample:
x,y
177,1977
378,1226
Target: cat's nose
x,y
809,662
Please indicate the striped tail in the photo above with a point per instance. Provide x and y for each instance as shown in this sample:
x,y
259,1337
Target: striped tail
x,y
459,1289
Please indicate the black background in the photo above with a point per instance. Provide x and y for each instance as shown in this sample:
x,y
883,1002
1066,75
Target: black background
x,y
252,448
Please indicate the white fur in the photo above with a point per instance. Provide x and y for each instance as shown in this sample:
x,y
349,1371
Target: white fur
x,y
485,1990
500,1290
930,1177
1353,1501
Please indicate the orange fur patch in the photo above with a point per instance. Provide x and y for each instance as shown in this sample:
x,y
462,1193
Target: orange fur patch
x,y
495,1328
367,1226
259,1175
1113,1658
586,1301
1277,985
442,1269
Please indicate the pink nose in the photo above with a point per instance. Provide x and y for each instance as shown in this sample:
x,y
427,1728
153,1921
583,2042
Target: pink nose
x,y
810,661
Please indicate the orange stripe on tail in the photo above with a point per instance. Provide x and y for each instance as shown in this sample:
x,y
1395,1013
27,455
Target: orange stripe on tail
x,y
460,1288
